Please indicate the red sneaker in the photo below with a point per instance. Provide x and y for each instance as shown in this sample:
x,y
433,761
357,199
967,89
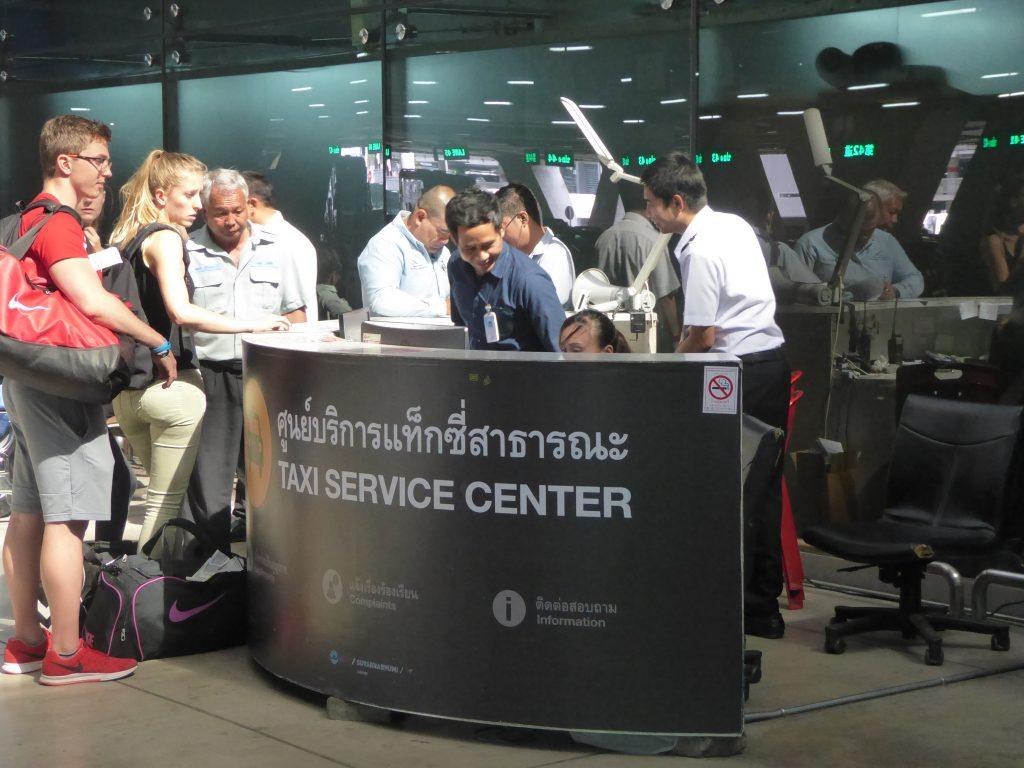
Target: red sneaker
x,y
87,665
20,657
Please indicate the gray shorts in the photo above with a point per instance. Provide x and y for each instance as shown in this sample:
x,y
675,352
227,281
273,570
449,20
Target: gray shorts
x,y
63,465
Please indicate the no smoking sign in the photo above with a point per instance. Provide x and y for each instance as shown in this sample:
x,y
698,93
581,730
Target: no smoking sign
x,y
720,389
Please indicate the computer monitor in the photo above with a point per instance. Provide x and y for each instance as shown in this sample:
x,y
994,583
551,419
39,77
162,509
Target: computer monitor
x,y
406,334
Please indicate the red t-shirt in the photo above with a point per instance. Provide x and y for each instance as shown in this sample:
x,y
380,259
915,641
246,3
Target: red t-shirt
x,y
61,238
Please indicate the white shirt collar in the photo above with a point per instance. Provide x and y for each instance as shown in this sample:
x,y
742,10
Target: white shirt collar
x,y
546,240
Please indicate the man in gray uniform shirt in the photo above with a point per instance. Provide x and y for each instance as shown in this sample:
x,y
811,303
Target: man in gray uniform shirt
x,y
621,253
240,270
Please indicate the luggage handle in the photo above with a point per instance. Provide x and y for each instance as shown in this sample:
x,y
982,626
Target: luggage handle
x,y
186,525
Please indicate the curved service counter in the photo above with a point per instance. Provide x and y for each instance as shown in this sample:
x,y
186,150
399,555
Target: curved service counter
x,y
521,539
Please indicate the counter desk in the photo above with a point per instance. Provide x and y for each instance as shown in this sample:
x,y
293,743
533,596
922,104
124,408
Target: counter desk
x,y
860,412
519,539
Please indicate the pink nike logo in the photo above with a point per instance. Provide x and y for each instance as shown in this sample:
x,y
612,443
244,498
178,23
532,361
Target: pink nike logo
x,y
177,615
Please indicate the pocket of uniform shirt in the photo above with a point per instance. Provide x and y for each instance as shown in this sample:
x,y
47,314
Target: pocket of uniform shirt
x,y
506,321
266,281
209,289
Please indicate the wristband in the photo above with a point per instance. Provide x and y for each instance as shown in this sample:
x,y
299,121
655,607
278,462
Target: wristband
x,y
163,350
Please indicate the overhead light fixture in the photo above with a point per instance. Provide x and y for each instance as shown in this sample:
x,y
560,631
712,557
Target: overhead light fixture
x,y
994,75
302,88
1011,95
666,5
633,121
895,104
751,95
591,106
570,48
362,55
424,82
411,117
323,117
318,105
277,119
81,109
411,101
362,112
498,103
954,12
867,86
478,119
625,79
790,113
673,101
710,117
519,82
563,122
363,101
405,31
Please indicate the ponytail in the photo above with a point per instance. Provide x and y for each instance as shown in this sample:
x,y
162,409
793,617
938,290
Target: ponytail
x,y
160,170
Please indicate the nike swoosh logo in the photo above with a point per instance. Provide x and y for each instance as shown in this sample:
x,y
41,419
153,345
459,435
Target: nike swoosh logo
x,y
15,304
176,615
69,668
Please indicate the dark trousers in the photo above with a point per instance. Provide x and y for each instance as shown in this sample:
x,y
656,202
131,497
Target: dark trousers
x,y
765,397
220,450
120,497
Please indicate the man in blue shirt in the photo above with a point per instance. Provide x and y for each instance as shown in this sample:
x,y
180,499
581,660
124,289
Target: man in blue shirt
x,y
879,269
402,268
507,301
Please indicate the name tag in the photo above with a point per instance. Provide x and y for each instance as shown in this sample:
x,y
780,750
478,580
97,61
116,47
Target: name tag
x,y
108,257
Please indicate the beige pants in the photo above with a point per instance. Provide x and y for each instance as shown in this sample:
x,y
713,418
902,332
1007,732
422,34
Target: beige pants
x,y
163,427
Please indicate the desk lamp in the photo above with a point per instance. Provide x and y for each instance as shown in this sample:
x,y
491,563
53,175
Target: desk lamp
x,y
592,287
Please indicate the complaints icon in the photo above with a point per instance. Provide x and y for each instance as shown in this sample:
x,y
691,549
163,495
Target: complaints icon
x,y
332,587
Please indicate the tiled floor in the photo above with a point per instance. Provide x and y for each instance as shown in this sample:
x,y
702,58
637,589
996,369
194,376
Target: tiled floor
x,y
221,710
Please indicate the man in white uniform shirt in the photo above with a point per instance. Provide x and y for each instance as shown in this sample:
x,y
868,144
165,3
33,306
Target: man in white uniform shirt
x,y
262,211
404,267
525,231
729,307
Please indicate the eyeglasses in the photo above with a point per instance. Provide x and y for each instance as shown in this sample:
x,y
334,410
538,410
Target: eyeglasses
x,y
99,162
518,217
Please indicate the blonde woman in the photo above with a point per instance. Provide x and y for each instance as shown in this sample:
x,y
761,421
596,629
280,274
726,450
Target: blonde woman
x,y
162,423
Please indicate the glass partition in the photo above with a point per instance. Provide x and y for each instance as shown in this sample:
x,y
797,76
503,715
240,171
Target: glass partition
x,y
315,133
926,95
474,99
133,113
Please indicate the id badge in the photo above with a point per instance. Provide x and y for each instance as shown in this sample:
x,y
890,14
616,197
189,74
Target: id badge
x,y
491,326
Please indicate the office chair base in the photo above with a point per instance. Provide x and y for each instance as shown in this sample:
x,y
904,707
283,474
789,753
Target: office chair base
x,y
925,623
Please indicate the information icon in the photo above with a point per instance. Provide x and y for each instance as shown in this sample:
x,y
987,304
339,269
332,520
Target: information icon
x,y
509,608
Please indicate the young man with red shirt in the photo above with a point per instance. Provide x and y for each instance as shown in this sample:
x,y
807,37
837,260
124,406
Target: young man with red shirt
x,y
63,465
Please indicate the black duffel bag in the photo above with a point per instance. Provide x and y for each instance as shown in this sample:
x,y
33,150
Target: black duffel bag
x,y
146,609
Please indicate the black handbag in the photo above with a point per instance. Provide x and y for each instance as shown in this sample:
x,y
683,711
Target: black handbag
x,y
146,609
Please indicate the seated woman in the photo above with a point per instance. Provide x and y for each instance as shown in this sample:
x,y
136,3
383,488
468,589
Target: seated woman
x,y
591,331
162,421
1002,248
330,305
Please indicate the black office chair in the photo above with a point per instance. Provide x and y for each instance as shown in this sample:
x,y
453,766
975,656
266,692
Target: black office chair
x,y
949,491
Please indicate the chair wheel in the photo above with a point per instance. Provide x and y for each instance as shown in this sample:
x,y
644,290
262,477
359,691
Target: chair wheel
x,y
933,657
1001,642
834,645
